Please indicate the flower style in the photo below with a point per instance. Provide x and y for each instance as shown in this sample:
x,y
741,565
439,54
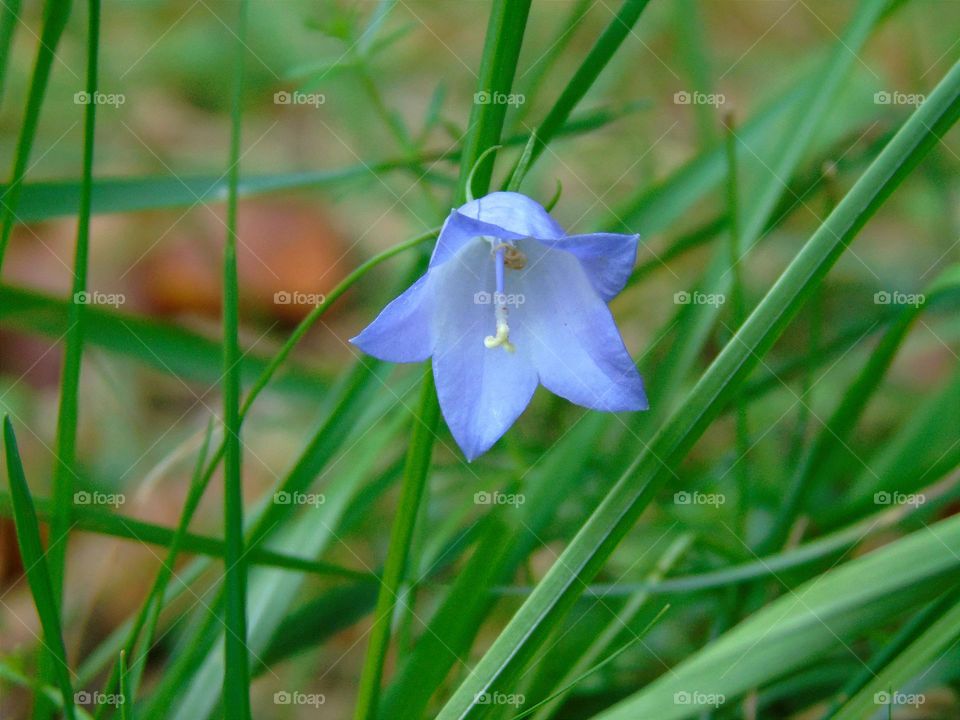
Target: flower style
x,y
509,301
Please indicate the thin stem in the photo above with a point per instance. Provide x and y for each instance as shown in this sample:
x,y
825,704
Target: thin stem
x,y
56,14
738,315
508,19
236,677
66,443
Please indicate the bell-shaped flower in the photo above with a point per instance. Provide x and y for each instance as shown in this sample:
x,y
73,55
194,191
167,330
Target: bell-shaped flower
x,y
509,301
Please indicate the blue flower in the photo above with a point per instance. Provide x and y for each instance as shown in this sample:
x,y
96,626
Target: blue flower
x,y
509,301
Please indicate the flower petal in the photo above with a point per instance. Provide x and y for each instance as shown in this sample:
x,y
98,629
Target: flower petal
x,y
460,229
402,331
515,213
567,330
481,391
607,258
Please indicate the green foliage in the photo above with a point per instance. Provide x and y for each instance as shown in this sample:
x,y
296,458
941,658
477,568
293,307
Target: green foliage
x,y
819,407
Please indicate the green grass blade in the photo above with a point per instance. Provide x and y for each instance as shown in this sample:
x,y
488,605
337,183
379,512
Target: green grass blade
x,y
99,521
695,322
236,666
598,646
55,15
414,481
45,200
157,344
593,64
790,632
898,644
272,592
589,549
834,436
66,440
35,564
9,17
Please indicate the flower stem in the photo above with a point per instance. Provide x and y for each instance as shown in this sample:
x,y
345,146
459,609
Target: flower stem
x,y
236,676
508,20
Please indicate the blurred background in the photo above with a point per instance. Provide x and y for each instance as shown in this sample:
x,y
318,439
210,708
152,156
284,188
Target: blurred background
x,y
346,139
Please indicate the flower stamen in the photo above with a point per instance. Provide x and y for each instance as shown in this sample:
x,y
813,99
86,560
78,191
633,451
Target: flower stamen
x,y
502,338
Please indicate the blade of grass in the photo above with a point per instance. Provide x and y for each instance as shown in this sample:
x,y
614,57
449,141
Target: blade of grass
x,y
236,666
904,637
35,567
55,15
152,605
66,438
101,522
589,655
834,435
598,537
45,200
9,17
799,627
586,74
271,591
696,321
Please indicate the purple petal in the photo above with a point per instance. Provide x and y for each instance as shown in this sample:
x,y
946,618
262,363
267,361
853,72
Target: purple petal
x,y
570,335
460,229
607,258
402,331
481,391
515,213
